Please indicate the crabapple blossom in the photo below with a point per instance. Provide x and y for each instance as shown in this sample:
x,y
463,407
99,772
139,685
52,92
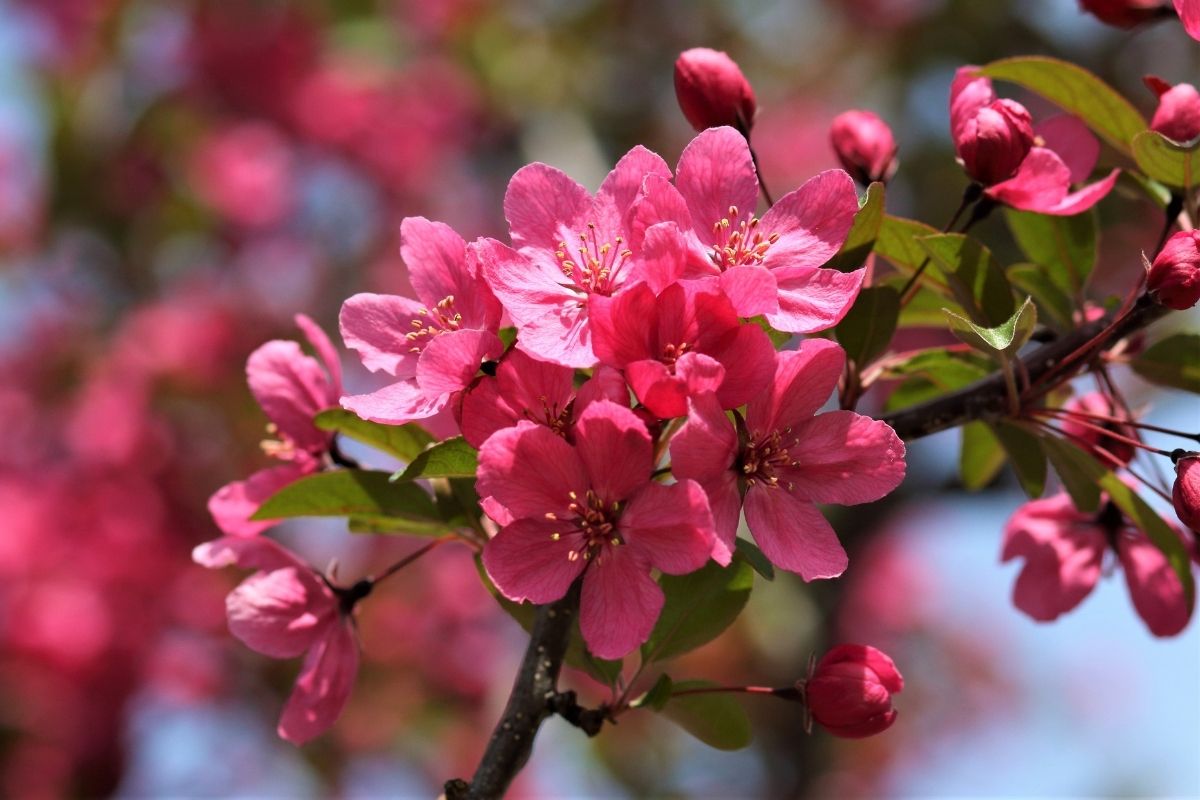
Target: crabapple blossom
x,y
1178,114
864,145
291,388
590,509
1083,429
1064,552
712,91
1125,13
1027,168
1185,495
1174,277
784,459
850,691
433,345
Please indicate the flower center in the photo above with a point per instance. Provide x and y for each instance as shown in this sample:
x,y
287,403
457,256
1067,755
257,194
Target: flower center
x,y
551,416
594,266
596,521
764,456
430,322
739,242
672,352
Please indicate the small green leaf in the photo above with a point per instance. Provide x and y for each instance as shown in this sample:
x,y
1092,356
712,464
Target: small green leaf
x,y
1078,471
897,242
1006,338
402,441
924,308
1064,247
1025,453
975,279
1147,520
1036,282
658,695
748,551
507,336
1166,161
698,607
453,458
1077,91
716,719
863,232
934,373
981,456
778,338
350,493
1173,361
866,330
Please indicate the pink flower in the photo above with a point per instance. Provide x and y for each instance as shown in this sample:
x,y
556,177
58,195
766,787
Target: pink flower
x,y
1178,114
591,509
686,340
246,174
1020,166
850,691
1174,277
864,145
1064,552
784,460
712,91
434,345
538,391
1186,494
570,248
1189,15
1125,13
286,609
291,388
768,266
1083,429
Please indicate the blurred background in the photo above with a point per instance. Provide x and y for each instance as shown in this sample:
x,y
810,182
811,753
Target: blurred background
x,y
179,177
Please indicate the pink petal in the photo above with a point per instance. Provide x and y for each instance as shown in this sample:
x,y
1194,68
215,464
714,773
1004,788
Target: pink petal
x,y
1085,198
291,388
530,471
524,388
716,172
436,258
615,450
280,613
606,383
968,93
725,502
875,660
660,202
670,526
793,534
664,394
561,335
623,325
752,290
1067,136
527,287
375,325
844,458
705,447
256,552
700,374
233,504
812,300
620,603
543,207
804,379
622,186
1189,15
325,352
485,411
323,686
396,403
663,258
451,360
527,562
1154,587
1041,181
749,360
812,222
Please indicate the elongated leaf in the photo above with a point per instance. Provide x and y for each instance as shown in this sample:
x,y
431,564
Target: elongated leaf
x,y
866,330
1076,90
863,232
351,493
1078,471
932,374
453,458
1007,337
698,607
924,309
1174,362
898,243
975,279
716,719
980,458
1147,520
748,551
1026,456
402,441
658,695
1165,161
1064,247
1036,282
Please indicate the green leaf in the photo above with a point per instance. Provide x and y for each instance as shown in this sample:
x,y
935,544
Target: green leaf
x,y
866,330
748,551
1078,471
934,373
507,336
1166,161
658,695
402,441
1005,338
698,607
778,338
1036,282
924,308
351,493
1147,520
863,233
716,719
453,458
981,456
1077,91
1174,362
975,279
393,526
1065,247
1025,453
897,242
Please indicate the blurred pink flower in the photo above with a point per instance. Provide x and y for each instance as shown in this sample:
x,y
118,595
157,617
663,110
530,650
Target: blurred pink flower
x,y
864,144
1185,494
245,173
1178,114
1174,277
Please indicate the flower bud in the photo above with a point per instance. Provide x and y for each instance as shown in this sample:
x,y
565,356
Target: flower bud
x,y
850,691
1084,429
1125,13
1186,494
712,90
865,146
1174,279
1178,114
994,142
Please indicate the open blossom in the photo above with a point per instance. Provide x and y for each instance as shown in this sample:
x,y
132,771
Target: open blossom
x,y
286,609
864,145
850,691
1020,165
1064,552
1125,13
1178,114
568,247
768,266
434,345
591,509
1185,495
291,388
1174,277
712,90
685,340
786,460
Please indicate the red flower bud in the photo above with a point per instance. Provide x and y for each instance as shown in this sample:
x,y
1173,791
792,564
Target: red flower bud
x,y
994,142
865,145
1125,13
1174,279
850,691
1186,494
712,90
1178,114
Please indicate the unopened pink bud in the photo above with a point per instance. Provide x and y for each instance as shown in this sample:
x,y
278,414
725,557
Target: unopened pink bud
x,y
1186,494
864,144
850,691
994,142
1125,13
1178,114
1174,279
712,90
